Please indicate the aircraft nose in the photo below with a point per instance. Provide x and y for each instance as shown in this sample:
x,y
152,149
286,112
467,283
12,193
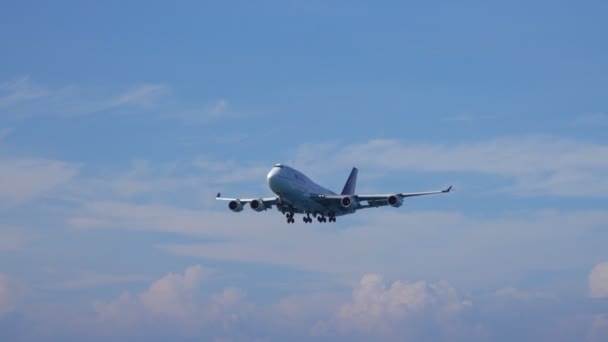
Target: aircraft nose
x,y
272,176
273,172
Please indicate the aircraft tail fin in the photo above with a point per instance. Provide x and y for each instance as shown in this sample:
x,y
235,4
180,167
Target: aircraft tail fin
x,y
351,183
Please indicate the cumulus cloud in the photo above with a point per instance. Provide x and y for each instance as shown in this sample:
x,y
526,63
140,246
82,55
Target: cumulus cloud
x,y
177,301
172,295
598,281
378,308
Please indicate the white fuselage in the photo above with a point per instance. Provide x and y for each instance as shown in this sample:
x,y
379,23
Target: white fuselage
x,y
297,191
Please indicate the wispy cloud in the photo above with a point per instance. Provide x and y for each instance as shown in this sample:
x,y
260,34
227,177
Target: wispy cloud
x,y
143,95
12,238
20,90
92,279
25,179
24,98
201,114
592,119
539,165
383,236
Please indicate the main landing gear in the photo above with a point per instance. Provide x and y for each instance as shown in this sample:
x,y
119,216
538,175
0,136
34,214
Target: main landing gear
x,y
308,219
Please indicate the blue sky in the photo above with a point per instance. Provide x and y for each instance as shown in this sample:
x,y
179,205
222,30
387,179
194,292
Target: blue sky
x,y
119,122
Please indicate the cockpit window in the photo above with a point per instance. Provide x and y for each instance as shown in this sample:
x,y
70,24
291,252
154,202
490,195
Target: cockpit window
x,y
279,166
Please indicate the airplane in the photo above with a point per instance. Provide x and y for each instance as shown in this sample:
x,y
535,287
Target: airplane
x,y
297,194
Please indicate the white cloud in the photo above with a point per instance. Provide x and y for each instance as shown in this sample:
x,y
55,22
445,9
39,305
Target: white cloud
x,y
598,281
143,96
174,300
453,245
25,179
25,98
450,242
376,307
537,164
174,294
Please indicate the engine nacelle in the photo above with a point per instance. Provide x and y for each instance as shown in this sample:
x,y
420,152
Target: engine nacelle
x,y
235,206
257,205
395,201
348,202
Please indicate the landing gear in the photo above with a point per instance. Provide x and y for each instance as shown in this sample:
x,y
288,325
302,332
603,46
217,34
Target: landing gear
x,y
307,218
290,218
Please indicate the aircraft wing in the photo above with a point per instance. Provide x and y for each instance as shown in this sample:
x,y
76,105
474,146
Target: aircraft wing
x,y
376,200
402,195
267,200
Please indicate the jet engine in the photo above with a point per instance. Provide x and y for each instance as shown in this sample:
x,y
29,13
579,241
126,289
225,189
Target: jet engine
x,y
235,205
347,202
257,205
395,201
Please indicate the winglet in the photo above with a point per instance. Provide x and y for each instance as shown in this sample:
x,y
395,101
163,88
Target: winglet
x,y
218,195
448,189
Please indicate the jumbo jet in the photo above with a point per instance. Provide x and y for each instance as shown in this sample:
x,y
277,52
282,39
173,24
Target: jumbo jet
x,y
297,194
